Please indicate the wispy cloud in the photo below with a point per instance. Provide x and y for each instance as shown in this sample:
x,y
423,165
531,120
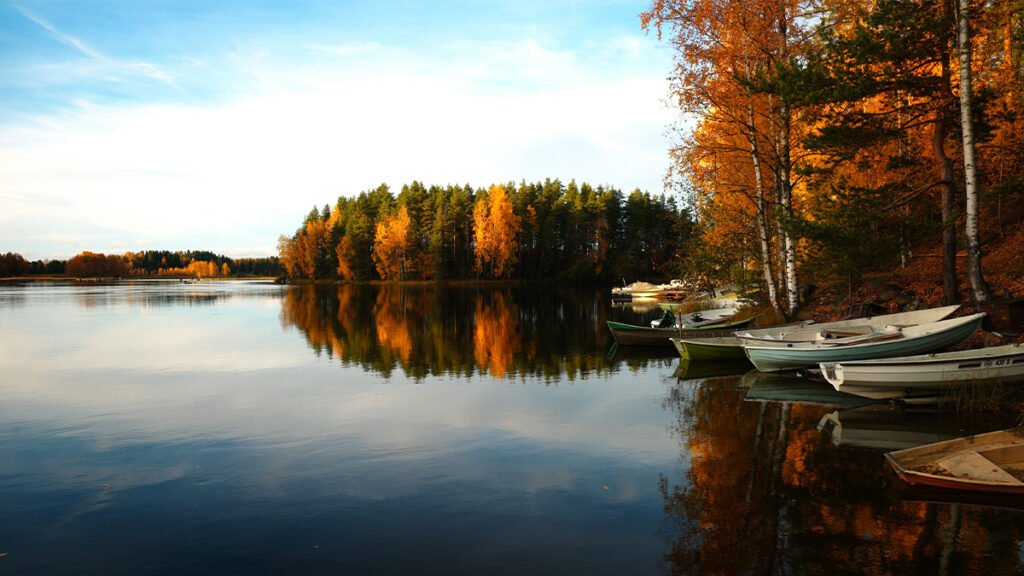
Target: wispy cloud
x,y
347,49
146,69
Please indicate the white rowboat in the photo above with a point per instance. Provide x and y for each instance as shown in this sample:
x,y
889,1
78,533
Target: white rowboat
x,y
904,376
783,355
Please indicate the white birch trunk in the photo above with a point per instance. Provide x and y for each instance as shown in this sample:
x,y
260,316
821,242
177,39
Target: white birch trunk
x,y
979,289
762,228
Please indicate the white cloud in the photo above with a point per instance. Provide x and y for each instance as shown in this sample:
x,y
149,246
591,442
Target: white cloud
x,y
235,174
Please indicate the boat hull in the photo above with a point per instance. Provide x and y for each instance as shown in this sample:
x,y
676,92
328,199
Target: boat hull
x,y
1000,454
934,372
790,356
633,335
713,349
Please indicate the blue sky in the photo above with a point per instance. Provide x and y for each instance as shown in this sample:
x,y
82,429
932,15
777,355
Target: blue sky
x,y
133,125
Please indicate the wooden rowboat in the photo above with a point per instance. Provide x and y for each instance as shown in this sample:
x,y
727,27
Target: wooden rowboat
x,y
991,463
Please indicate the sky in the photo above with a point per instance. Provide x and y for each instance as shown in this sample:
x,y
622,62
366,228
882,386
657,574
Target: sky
x,y
217,125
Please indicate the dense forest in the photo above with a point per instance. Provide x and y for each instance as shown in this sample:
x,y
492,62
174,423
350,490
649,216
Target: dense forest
x,y
188,263
838,138
541,230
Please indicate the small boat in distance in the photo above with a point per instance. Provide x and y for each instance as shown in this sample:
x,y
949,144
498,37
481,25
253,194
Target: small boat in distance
x,y
923,373
991,463
645,290
919,339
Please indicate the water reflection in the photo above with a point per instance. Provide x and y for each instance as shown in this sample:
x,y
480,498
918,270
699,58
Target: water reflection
x,y
763,491
434,330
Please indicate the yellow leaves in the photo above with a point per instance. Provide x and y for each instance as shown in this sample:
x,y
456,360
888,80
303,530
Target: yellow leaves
x,y
495,230
391,245
495,336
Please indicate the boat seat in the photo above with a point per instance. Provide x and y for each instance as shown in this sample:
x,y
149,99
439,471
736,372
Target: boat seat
x,y
973,466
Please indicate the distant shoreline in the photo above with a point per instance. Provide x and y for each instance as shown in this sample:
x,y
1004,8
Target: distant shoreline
x,y
61,278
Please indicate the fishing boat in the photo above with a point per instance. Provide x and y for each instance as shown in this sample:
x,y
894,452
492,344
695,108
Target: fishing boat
x,y
991,463
893,341
926,373
633,335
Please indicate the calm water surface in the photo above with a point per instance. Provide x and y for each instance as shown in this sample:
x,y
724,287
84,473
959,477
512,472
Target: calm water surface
x,y
246,428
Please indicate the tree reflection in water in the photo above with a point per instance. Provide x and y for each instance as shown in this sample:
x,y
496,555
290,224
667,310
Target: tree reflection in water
x,y
762,491
433,329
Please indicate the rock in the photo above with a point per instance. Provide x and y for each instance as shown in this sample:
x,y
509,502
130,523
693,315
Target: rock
x,y
905,298
888,293
994,339
915,304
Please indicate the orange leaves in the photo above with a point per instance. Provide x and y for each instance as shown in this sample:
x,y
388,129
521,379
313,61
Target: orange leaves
x,y
90,264
495,230
495,335
391,245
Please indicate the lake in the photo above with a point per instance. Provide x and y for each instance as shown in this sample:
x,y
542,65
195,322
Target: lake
x,y
156,427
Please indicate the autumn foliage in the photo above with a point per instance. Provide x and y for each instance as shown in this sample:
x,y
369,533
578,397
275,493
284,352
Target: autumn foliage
x,y
829,147
495,230
92,265
540,230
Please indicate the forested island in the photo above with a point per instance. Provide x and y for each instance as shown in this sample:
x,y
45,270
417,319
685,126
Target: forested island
x,y
533,231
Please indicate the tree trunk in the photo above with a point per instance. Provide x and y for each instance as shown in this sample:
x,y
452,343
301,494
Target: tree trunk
x,y
979,289
762,228
786,185
949,279
786,199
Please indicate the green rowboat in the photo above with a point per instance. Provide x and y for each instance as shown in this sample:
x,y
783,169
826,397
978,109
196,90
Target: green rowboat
x,y
633,335
720,348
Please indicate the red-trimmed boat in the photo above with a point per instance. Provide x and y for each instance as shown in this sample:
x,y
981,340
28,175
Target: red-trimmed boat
x,y
991,463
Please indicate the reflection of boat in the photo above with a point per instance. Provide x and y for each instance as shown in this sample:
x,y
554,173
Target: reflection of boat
x,y
773,357
633,335
794,388
900,490
886,427
709,369
991,463
638,354
898,377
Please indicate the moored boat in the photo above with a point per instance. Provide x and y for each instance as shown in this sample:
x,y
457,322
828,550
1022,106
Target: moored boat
x,y
991,463
897,341
909,375
714,349
846,328
633,335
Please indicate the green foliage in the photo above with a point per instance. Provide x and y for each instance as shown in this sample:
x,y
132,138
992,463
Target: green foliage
x,y
575,232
